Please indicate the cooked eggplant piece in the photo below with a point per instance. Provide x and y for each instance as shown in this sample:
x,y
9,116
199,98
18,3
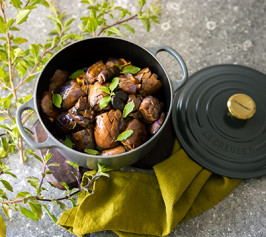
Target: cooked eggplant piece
x,y
143,74
47,105
139,135
70,93
82,83
82,113
93,71
114,151
119,100
95,95
58,80
107,127
64,122
127,83
137,101
150,109
107,73
151,85
155,126
111,62
84,139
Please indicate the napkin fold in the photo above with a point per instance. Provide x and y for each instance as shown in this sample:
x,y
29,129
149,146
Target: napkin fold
x,y
141,204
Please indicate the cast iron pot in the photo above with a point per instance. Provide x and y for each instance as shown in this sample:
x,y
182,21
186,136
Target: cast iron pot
x,y
82,54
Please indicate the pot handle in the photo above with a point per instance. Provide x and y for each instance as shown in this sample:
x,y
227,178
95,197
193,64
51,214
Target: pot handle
x,y
178,58
49,143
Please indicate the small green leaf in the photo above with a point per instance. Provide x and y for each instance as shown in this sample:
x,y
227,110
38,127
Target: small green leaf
x,y
29,151
47,156
131,70
57,100
54,164
16,3
128,108
91,151
22,16
146,23
114,30
65,185
2,119
26,212
49,213
33,181
75,166
141,3
7,185
9,173
7,211
102,168
48,172
106,90
19,40
23,194
76,74
114,83
36,209
124,135
92,25
2,227
105,101
61,205
68,143
129,28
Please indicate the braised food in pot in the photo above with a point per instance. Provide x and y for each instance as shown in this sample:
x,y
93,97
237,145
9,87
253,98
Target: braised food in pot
x,y
107,109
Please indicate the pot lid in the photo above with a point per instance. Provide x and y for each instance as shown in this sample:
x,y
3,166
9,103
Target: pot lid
x,y
219,117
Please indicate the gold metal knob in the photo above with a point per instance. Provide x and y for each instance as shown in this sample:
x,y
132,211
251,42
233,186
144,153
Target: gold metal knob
x,y
241,106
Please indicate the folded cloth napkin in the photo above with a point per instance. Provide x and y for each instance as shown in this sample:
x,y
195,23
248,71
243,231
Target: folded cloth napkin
x,y
141,204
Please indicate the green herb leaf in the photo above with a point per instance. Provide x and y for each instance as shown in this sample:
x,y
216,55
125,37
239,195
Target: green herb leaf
x,y
114,83
57,100
114,30
22,16
16,3
54,164
106,90
102,168
28,213
129,28
131,70
128,108
36,209
75,74
91,151
47,156
146,23
105,101
2,227
7,185
75,166
33,181
68,143
124,135
49,213
92,25
141,3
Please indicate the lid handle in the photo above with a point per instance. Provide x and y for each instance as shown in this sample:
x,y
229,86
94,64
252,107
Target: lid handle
x,y
241,106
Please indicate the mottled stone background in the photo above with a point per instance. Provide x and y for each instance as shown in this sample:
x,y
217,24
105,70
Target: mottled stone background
x,y
204,32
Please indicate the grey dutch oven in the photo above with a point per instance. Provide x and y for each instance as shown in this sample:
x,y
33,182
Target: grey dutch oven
x,y
86,52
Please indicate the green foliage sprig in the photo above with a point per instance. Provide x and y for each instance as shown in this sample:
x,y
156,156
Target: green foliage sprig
x,y
20,63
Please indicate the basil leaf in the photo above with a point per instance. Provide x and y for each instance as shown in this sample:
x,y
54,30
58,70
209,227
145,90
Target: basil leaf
x,y
128,108
106,90
114,83
75,74
57,100
91,151
124,135
131,70
68,142
104,101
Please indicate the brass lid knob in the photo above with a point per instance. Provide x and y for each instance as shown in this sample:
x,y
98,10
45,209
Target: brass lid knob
x,y
241,106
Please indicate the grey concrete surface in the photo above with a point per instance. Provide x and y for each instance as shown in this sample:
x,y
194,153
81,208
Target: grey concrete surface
x,y
204,32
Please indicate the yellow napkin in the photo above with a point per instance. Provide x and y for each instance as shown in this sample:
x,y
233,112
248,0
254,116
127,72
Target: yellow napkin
x,y
141,204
